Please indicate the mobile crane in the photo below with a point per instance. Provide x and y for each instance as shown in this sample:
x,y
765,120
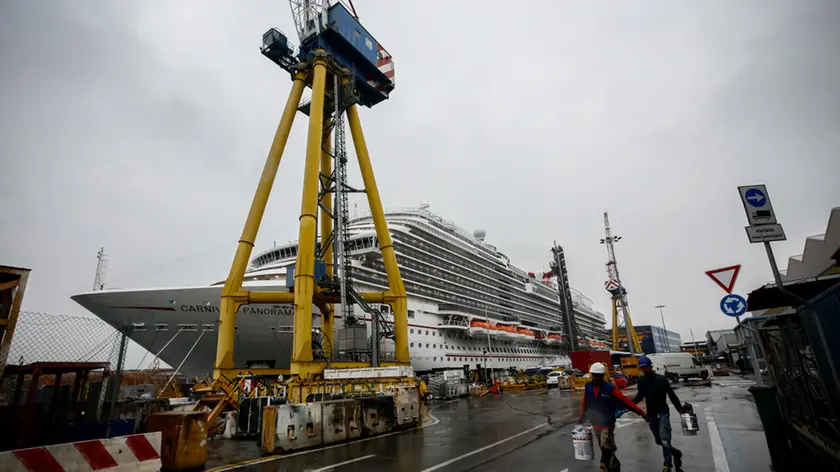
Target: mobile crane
x,y
620,306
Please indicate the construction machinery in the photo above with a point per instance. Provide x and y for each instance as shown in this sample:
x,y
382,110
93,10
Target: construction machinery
x,y
620,306
558,267
344,66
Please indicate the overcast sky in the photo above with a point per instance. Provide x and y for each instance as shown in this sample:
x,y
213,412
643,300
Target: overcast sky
x,y
143,127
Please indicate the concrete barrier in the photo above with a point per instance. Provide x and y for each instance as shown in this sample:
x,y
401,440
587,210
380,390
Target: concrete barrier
x,y
406,404
304,425
136,452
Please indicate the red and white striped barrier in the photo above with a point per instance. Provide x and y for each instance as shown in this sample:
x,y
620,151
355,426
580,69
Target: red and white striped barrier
x,y
137,452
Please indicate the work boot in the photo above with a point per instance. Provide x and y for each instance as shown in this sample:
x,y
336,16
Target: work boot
x,y
666,468
677,459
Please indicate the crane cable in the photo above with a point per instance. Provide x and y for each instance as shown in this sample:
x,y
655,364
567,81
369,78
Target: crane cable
x,y
182,363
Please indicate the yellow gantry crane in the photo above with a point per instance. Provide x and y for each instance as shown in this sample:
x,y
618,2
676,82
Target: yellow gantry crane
x,y
344,70
345,67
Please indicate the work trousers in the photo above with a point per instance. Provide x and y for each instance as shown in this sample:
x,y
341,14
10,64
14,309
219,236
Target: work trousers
x,y
606,441
660,426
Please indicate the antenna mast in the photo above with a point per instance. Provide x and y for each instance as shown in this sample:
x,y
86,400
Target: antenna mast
x,y
101,268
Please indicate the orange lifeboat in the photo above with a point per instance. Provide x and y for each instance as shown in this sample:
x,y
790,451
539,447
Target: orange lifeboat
x,y
479,327
525,334
507,332
555,338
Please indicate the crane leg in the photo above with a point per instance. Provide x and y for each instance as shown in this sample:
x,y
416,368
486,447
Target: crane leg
x,y
327,317
232,294
395,284
305,263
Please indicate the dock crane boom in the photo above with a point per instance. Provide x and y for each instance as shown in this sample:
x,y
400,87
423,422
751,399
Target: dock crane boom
x,y
619,295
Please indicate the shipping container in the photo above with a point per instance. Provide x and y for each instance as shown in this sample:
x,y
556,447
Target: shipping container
x,y
581,360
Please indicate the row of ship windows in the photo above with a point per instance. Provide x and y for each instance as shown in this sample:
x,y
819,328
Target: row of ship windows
x,y
481,265
437,294
477,359
464,245
496,294
417,243
467,339
291,251
448,276
421,289
467,275
492,349
415,288
476,265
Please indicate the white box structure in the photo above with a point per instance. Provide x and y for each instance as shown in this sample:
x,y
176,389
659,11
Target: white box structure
x,y
369,372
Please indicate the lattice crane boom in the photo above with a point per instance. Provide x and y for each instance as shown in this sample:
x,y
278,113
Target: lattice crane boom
x,y
620,306
309,16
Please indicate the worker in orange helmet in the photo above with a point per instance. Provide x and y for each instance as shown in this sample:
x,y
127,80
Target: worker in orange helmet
x,y
600,401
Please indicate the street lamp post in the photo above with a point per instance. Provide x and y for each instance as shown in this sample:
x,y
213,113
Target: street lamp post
x,y
667,338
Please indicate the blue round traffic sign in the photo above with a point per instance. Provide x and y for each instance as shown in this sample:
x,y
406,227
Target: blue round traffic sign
x,y
755,197
733,305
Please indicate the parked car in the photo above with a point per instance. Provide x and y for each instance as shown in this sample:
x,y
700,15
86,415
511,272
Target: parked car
x,y
553,379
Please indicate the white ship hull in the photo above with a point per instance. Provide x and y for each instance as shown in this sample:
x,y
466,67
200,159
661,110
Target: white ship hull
x,y
264,332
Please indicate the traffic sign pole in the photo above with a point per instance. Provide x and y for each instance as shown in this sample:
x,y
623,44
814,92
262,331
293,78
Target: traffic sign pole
x,y
776,275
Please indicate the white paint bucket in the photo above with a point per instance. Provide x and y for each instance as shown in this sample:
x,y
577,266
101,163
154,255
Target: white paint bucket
x,y
582,443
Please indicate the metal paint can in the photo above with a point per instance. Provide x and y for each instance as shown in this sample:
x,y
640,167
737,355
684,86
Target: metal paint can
x,y
582,443
690,427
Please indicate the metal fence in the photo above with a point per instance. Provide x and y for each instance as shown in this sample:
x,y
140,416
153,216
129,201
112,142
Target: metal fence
x,y
45,337
801,353
51,338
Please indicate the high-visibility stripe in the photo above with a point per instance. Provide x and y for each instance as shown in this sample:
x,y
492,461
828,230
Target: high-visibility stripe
x,y
39,459
141,447
96,455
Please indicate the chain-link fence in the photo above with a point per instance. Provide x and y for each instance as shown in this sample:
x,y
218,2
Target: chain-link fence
x,y
47,339
58,376
44,337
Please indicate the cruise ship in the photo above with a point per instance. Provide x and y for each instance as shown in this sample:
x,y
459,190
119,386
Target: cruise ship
x,y
467,304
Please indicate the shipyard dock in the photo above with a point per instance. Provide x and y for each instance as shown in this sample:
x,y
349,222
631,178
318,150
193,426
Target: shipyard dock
x,y
505,432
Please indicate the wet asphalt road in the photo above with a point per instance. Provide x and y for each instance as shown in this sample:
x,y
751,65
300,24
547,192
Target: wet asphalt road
x,y
531,429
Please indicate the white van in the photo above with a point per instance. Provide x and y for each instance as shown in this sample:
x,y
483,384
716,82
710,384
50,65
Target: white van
x,y
679,365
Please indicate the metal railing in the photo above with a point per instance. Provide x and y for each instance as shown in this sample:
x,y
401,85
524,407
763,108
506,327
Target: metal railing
x,y
801,356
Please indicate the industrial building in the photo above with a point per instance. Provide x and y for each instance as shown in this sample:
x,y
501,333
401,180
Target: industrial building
x,y
697,348
720,340
653,339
